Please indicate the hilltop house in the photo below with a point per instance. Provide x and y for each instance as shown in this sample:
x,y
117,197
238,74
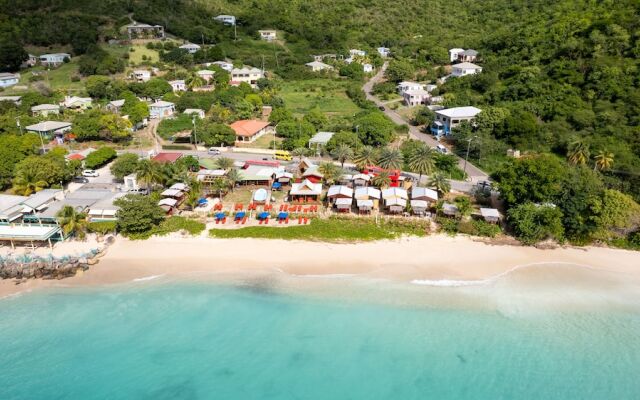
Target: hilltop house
x,y
191,48
145,31
384,52
194,111
268,34
76,103
141,75
226,19
51,129
247,130
469,55
414,97
407,85
367,68
317,66
178,85
206,74
464,69
357,53
17,100
115,106
161,109
453,54
248,75
8,79
54,59
227,66
43,110
450,118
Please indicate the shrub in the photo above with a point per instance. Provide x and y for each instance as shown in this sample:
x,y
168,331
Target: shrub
x,y
102,227
100,157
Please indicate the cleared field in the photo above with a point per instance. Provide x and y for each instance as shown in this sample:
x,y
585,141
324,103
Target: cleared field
x,y
328,95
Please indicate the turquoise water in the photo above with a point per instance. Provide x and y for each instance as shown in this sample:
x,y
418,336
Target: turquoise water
x,y
206,341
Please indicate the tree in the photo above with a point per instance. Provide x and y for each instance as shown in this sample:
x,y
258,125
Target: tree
x,y
464,205
390,158
12,54
400,70
137,214
72,222
440,183
125,164
578,153
536,179
280,114
580,199
214,134
330,172
374,128
35,173
365,157
98,86
219,185
533,223
603,160
299,152
295,133
316,118
618,211
342,153
100,157
148,173
381,180
233,177
422,160
225,163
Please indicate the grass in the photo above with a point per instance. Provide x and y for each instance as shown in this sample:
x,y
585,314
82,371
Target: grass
x,y
172,224
265,142
135,56
334,229
56,78
328,95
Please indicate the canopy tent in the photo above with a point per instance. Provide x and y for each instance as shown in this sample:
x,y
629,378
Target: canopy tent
x,y
277,185
240,215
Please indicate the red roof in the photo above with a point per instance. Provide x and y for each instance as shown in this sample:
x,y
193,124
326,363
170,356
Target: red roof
x,y
167,157
264,163
76,156
248,127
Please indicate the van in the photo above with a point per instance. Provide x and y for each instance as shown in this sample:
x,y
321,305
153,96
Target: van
x,y
441,149
283,155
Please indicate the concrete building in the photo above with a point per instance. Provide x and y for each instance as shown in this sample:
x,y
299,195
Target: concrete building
x,y
247,131
162,109
268,34
54,59
178,85
450,118
226,19
464,69
248,75
43,110
145,31
191,48
317,66
8,79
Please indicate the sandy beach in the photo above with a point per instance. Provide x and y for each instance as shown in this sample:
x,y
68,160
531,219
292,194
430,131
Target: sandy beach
x,y
432,259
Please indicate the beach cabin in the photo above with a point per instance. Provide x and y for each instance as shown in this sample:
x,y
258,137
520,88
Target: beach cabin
x,y
360,180
424,194
395,199
367,198
161,109
305,191
490,215
450,210
283,177
168,204
190,48
305,164
313,174
343,204
364,206
339,192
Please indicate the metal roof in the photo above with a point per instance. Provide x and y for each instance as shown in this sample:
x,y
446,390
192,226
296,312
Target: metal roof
x,y
321,138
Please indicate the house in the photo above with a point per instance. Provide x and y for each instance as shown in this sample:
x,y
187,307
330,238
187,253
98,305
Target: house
x,y
414,97
54,59
395,205
384,52
313,174
226,19
364,206
115,106
469,55
191,48
209,175
17,100
367,193
31,61
141,75
450,210
145,31
424,194
367,68
268,34
283,177
450,118
194,111
7,79
104,209
10,208
178,85
339,192
454,53
76,103
166,157
162,109
490,215
227,66
79,155
43,110
248,75
317,66
394,192
248,130
464,69
320,139
357,53
259,174
406,86
361,180
305,191
206,74
51,129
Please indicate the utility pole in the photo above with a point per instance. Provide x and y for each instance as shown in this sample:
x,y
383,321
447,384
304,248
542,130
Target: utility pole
x,y
195,136
467,156
19,124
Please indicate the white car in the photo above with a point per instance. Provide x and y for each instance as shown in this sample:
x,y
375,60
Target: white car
x,y
213,151
90,173
441,149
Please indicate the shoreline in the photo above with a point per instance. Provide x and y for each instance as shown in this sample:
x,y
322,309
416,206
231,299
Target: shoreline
x,y
436,260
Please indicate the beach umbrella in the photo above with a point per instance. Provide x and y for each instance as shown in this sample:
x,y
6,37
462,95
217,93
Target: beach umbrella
x,y
240,215
220,215
283,215
263,215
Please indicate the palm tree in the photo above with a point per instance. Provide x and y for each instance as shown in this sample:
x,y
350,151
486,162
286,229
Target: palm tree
x,y
342,153
578,153
381,180
28,181
148,173
299,152
233,177
391,158
422,160
220,185
331,172
172,173
603,160
366,156
195,81
440,183
72,222
224,163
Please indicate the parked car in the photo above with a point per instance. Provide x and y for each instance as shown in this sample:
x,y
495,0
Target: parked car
x,y
90,173
80,179
142,191
213,151
441,149
381,108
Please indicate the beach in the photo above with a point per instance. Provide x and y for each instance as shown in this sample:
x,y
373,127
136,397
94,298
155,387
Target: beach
x,y
434,260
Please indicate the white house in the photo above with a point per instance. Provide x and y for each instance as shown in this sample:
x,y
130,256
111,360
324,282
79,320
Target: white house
x,y
206,74
194,111
367,68
226,19
464,69
453,54
115,106
145,31
268,34
469,55
17,100
407,85
227,66
357,53
191,48
178,85
414,97
54,59
249,75
317,66
384,52
7,79
141,75
55,129
76,103
45,109
162,109
450,118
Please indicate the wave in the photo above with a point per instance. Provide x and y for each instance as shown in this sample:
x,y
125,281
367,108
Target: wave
x,y
148,278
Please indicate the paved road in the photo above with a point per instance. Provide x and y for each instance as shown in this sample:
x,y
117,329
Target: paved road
x,y
475,173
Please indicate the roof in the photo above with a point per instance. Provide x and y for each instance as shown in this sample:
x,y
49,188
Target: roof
x,y
306,188
162,103
40,198
416,92
470,52
318,64
367,193
179,186
313,171
395,201
28,232
456,49
246,70
362,177
76,156
168,202
56,55
321,137
53,208
190,46
364,203
117,103
449,208
248,127
340,190
177,82
419,204
489,213
167,157
193,111
394,192
48,126
172,193
421,192
68,101
466,65
11,206
459,112
43,107
7,75
344,201
10,98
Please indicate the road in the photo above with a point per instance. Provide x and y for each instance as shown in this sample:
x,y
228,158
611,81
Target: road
x,y
475,173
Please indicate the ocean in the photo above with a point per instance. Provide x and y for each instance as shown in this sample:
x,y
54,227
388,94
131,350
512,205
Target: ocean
x,y
167,339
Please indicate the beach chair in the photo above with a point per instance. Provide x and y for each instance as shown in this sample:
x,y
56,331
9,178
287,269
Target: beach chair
x,y
266,221
286,221
244,220
306,221
299,220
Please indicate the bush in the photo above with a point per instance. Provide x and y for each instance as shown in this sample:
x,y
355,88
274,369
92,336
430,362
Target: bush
x,y
100,157
102,227
169,225
176,147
